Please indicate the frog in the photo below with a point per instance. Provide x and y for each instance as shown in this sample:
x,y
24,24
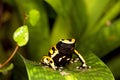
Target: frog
x,y
61,54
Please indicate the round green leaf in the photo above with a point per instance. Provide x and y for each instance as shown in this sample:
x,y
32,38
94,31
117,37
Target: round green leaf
x,y
21,35
34,16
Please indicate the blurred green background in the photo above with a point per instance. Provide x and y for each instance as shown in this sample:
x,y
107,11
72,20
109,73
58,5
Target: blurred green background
x,y
95,24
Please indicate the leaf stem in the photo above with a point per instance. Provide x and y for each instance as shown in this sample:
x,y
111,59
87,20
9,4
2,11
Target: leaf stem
x,y
12,55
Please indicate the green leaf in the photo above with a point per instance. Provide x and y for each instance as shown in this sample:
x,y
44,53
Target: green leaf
x,y
94,14
95,9
61,27
103,41
21,35
61,30
7,68
71,19
34,17
114,65
19,70
97,19
109,16
6,71
99,70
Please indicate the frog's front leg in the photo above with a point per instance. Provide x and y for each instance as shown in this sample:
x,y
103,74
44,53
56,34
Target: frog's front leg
x,y
84,65
46,60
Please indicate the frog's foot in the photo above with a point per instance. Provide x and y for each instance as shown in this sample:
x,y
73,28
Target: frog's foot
x,y
59,68
63,73
83,66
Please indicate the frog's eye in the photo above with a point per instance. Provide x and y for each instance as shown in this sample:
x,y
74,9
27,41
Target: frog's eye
x,y
51,61
45,59
70,40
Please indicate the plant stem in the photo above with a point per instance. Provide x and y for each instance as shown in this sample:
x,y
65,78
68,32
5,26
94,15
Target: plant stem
x,y
12,55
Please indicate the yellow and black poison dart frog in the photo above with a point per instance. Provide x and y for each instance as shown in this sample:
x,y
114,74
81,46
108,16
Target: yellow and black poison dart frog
x,y
61,54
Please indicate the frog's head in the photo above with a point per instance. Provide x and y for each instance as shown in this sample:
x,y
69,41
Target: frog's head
x,y
66,43
46,60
